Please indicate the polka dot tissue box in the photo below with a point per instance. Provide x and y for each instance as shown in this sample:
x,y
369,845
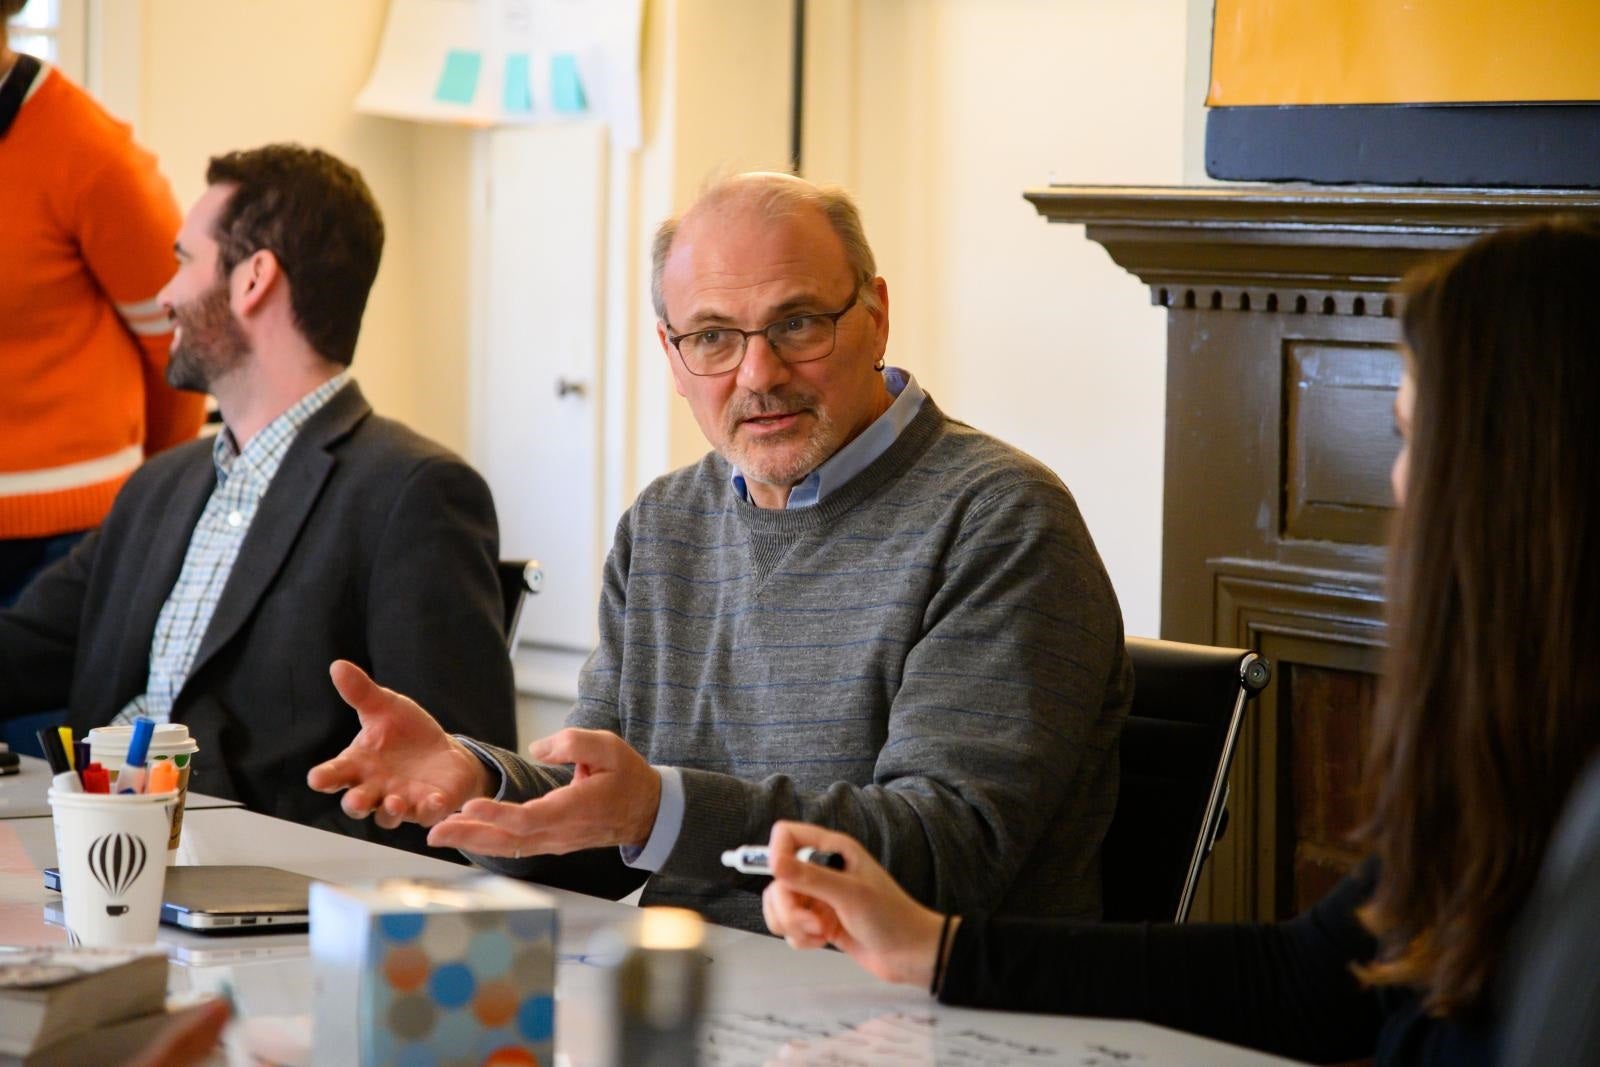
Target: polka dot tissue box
x,y
434,974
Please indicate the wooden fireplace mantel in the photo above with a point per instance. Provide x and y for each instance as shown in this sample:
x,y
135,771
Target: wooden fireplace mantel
x,y
1288,237
1283,356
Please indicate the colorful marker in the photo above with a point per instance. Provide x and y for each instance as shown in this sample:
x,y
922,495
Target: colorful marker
x,y
96,779
131,778
163,777
55,752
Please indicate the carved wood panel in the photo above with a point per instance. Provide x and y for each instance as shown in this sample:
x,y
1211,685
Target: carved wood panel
x,y
1339,441
1282,362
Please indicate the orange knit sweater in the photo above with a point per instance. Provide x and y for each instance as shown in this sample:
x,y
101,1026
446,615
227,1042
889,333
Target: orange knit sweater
x,y
86,231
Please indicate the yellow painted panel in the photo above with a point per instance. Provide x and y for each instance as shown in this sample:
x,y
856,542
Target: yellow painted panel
x,y
1267,52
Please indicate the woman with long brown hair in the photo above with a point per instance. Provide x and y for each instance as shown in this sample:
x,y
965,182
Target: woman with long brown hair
x,y
1488,712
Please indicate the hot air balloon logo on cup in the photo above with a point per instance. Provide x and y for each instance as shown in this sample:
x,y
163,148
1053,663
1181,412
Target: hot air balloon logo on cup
x,y
116,861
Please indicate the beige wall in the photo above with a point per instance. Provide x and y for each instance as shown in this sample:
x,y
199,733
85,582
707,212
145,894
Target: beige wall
x,y
725,109
438,289
222,74
938,112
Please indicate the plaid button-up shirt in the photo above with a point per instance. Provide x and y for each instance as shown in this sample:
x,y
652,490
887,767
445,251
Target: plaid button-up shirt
x,y
243,476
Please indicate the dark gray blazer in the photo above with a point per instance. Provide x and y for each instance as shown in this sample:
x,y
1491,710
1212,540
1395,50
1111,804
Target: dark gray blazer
x,y
372,544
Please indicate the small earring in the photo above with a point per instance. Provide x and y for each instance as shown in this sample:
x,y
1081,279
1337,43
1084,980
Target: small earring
x,y
878,365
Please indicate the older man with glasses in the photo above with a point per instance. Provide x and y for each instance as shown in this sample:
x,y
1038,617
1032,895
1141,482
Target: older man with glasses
x,y
855,611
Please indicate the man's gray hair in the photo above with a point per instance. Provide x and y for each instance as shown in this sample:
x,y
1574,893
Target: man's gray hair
x,y
775,196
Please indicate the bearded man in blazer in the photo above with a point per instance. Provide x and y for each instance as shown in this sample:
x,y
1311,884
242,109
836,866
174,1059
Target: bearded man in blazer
x,y
231,571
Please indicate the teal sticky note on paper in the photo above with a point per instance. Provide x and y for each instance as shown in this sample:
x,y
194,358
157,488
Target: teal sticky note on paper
x,y
517,93
458,82
566,88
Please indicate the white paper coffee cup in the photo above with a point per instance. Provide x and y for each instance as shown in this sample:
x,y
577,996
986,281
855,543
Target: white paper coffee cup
x,y
108,746
111,852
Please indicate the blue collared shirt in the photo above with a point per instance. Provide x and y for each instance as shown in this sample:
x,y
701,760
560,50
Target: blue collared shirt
x,y
857,455
835,472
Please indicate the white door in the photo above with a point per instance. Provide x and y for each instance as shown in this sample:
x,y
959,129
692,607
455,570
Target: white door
x,y
535,420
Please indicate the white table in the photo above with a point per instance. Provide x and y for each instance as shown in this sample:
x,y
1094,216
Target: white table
x,y
762,992
22,795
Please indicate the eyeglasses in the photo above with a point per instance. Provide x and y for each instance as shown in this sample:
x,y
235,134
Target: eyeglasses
x,y
793,339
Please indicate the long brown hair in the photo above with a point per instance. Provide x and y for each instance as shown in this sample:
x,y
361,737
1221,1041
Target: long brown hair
x,y
1490,701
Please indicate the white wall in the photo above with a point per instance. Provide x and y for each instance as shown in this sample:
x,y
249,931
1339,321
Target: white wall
x,y
939,113
1197,82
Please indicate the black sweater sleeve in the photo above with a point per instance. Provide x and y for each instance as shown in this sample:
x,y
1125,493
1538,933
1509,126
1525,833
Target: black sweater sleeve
x,y
1284,988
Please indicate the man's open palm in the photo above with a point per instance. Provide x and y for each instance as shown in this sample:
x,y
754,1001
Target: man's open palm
x,y
401,767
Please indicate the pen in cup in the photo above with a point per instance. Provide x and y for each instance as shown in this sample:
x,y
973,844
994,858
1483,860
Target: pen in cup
x,y
163,777
63,778
96,779
757,859
131,778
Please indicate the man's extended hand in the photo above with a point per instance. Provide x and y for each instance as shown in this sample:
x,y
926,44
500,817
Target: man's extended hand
x,y
401,767
611,800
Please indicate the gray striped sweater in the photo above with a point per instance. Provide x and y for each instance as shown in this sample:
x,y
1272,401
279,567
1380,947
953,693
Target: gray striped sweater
x,y
930,659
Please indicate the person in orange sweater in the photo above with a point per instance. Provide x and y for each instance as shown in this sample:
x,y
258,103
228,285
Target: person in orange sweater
x,y
87,231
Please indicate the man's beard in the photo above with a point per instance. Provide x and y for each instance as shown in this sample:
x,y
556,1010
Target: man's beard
x,y
771,463
212,342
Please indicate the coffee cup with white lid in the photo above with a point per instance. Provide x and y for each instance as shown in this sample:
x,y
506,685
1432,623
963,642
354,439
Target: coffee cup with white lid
x,y
108,746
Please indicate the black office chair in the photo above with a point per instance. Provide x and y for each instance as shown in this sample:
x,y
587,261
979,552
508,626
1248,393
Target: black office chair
x,y
518,578
1188,706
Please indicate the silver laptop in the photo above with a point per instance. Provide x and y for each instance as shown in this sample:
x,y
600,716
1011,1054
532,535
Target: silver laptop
x,y
227,899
